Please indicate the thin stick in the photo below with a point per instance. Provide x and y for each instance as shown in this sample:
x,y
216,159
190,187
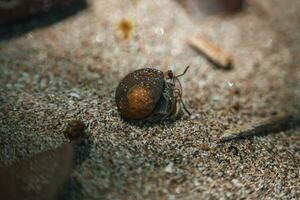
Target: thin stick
x,y
211,51
279,123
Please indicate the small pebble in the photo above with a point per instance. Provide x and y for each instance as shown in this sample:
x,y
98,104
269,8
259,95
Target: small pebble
x,y
169,168
75,130
75,95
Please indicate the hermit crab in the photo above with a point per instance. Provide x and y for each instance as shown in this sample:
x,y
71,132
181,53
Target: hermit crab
x,y
150,95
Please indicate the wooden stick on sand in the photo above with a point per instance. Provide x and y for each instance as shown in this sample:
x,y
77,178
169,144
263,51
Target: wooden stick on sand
x,y
211,51
274,124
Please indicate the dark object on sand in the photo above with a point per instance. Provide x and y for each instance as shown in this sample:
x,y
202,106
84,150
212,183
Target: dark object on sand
x,y
274,124
75,130
15,10
41,177
46,175
149,94
209,7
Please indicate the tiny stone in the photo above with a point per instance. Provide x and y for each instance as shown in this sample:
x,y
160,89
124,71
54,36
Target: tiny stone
x,y
236,182
75,130
75,95
216,98
195,116
230,84
169,167
159,30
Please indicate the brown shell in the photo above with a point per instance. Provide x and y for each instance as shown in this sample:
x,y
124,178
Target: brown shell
x,y
138,93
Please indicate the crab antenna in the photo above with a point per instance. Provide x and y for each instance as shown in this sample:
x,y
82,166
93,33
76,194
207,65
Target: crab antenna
x,y
183,72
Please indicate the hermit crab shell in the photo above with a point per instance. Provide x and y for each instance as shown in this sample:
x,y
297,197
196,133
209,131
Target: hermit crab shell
x,y
138,93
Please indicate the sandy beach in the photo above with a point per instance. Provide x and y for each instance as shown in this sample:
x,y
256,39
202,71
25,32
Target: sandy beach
x,y
70,69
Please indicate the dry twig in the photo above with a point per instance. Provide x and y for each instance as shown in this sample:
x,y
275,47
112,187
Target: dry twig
x,y
211,51
279,123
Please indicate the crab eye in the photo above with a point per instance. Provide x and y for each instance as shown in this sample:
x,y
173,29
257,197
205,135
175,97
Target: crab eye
x,y
169,74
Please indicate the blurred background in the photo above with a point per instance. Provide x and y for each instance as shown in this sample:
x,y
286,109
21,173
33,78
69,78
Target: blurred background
x,y
61,136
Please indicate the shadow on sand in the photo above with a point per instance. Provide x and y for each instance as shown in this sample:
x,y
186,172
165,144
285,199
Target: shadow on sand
x,y
43,19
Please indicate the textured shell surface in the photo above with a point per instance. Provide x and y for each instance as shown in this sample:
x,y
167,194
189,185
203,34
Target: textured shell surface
x,y
138,93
